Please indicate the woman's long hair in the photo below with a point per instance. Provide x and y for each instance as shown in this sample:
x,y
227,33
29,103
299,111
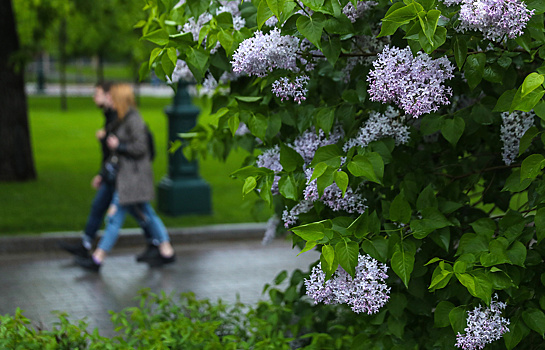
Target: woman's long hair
x,y
122,99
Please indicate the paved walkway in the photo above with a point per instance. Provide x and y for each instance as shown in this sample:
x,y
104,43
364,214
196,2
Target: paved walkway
x,y
40,283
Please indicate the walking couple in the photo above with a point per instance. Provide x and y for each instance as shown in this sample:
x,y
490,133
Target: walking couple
x,y
124,183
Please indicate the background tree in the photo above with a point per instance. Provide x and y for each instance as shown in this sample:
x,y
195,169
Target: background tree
x,y
16,162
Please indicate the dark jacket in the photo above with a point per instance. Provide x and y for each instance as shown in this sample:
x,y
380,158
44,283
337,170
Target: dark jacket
x,y
134,181
110,117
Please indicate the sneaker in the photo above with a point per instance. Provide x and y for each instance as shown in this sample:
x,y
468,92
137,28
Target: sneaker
x,y
161,260
87,263
76,249
151,252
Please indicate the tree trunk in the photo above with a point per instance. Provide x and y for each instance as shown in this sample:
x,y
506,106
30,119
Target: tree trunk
x,y
16,161
100,68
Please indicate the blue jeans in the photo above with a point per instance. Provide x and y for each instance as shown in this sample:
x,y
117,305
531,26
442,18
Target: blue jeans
x,y
100,205
145,215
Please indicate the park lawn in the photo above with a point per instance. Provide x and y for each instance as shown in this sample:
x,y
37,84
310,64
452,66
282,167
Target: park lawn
x,y
67,156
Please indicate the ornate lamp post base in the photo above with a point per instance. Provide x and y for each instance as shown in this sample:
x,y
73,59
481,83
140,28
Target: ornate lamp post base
x,y
182,191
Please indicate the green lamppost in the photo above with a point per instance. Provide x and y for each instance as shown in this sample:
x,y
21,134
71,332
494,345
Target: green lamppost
x,y
182,191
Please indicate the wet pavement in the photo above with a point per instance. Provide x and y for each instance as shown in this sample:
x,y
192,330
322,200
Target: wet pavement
x,y
40,283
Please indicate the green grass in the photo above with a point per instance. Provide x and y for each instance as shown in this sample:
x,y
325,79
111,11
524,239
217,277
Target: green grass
x,y
67,156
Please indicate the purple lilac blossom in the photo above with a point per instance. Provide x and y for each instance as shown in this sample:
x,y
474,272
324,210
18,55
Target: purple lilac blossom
x,y
309,141
270,159
513,128
270,229
484,325
415,84
333,197
290,217
366,292
262,53
355,12
286,88
494,18
380,126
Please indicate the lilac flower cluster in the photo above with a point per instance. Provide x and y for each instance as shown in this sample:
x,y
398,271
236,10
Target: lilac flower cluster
x,y
270,229
333,198
415,84
484,325
286,88
366,292
513,128
290,217
494,18
355,12
262,53
181,72
270,159
379,126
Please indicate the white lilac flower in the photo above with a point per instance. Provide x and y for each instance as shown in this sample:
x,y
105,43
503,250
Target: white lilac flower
x,y
380,126
208,86
194,27
484,325
270,229
415,84
286,88
366,292
262,53
232,7
271,22
513,128
494,18
451,2
290,217
355,12
242,129
270,159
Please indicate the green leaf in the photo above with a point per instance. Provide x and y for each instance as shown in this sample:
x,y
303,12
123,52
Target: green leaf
x,y
513,183
154,54
457,318
360,166
540,224
517,254
329,255
347,253
528,102
400,210
398,17
426,198
484,226
319,170
226,40
275,6
287,187
428,22
159,37
341,179
441,276
331,47
197,60
330,154
197,7
531,166
535,319
249,99
517,331
474,69
263,14
314,231
498,253
527,138
403,262
505,101
325,118
258,125
441,314
290,159
460,51
308,246
452,129
531,82
312,27
249,185
377,248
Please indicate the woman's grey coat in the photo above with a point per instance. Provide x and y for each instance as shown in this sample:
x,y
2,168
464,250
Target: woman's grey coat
x,y
134,181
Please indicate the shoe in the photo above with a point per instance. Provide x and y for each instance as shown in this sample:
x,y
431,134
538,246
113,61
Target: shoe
x,y
87,263
75,249
151,253
161,260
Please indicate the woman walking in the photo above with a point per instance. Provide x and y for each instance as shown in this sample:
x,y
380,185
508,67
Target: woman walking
x,y
130,161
